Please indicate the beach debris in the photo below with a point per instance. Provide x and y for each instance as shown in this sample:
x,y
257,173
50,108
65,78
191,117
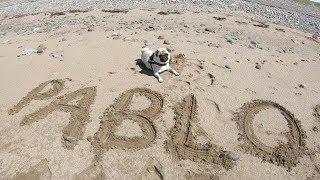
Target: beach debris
x,y
90,28
27,52
57,14
302,86
57,55
169,12
6,41
150,28
316,37
258,66
280,29
254,44
115,10
261,24
209,29
214,45
219,18
79,10
212,78
115,35
160,37
41,48
166,42
231,39
37,30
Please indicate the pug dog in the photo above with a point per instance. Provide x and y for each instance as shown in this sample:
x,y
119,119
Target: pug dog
x,y
157,61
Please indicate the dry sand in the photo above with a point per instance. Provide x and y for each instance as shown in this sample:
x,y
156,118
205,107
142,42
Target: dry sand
x,y
90,89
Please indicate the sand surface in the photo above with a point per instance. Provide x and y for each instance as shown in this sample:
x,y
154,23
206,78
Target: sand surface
x,y
245,106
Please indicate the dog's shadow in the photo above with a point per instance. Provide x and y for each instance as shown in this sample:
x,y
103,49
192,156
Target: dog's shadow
x,y
144,69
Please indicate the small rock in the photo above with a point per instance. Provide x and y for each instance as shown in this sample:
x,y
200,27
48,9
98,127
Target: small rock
x,y
231,39
28,52
2,33
253,44
150,28
6,41
258,66
302,86
41,48
89,138
234,156
209,29
160,37
166,42
37,30
115,34
90,29
227,66
57,55
214,45
315,129
316,35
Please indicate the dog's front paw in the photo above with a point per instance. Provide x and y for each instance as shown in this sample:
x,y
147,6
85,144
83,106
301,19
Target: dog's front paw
x,y
160,80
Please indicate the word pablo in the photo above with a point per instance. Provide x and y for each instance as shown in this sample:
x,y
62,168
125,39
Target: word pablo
x,y
182,143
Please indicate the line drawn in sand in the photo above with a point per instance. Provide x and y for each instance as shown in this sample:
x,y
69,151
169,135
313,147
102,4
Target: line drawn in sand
x,y
37,94
182,143
283,154
79,110
39,171
105,138
317,111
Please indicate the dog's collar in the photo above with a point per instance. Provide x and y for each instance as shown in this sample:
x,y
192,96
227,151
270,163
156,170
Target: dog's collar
x,y
151,61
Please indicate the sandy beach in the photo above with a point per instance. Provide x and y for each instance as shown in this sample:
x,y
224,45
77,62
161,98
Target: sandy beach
x,y
77,102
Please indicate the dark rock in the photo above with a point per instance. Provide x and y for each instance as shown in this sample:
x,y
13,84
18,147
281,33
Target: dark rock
x,y
166,42
258,66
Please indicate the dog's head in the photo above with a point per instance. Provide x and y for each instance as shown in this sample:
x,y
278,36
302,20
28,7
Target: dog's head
x,y
162,55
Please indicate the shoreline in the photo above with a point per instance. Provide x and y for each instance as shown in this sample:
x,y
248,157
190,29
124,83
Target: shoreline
x,y
287,13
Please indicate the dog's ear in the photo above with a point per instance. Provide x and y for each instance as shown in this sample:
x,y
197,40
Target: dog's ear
x,y
157,53
169,50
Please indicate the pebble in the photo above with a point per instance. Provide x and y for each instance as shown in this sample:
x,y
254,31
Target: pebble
x,y
258,66
90,29
149,28
227,66
37,30
302,86
253,44
209,29
41,48
57,55
166,42
6,41
214,45
28,52
231,39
